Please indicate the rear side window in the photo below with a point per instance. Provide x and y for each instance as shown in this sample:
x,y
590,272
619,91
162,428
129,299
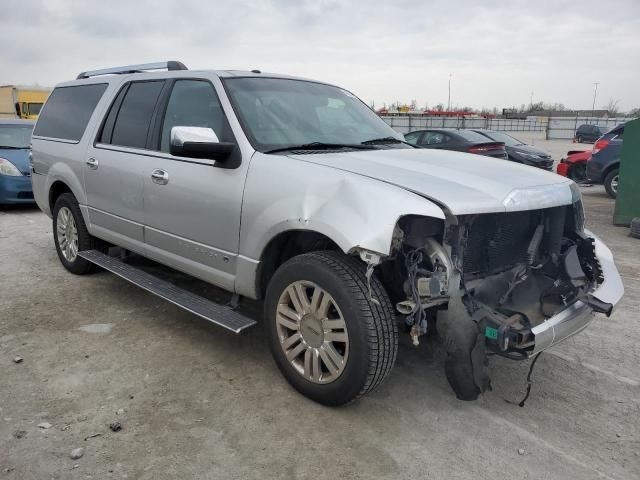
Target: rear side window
x,y
129,118
68,110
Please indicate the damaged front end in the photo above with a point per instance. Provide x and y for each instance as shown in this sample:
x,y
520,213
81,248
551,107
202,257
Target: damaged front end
x,y
517,281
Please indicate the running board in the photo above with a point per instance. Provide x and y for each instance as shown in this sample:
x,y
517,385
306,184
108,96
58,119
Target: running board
x,y
219,314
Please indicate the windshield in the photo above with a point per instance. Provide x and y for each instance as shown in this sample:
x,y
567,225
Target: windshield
x,y
277,113
34,108
15,136
508,140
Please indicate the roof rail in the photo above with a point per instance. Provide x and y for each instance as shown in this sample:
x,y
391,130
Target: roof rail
x,y
170,65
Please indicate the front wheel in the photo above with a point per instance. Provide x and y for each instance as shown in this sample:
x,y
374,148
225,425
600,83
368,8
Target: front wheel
x,y
330,340
611,183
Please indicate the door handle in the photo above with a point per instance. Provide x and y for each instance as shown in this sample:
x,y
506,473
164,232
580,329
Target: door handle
x,y
93,163
160,177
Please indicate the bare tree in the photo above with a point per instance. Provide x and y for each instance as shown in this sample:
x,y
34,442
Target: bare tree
x,y
612,107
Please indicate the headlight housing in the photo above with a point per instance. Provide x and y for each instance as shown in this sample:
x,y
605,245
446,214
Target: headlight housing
x,y
8,168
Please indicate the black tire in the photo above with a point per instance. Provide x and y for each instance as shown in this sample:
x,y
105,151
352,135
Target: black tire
x,y
635,227
578,173
466,364
608,181
79,266
371,326
579,139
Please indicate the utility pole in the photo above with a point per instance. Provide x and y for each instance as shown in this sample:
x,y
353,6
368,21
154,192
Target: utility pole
x,y
595,91
449,100
531,103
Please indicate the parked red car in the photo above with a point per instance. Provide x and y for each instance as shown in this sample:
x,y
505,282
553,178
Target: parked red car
x,y
575,165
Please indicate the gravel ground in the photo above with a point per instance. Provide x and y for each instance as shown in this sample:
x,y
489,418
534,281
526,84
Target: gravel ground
x,y
194,401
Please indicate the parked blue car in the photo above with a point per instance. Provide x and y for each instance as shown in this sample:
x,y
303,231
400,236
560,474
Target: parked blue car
x,y
15,171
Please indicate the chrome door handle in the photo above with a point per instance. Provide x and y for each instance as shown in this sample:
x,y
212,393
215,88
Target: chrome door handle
x,y
160,177
93,163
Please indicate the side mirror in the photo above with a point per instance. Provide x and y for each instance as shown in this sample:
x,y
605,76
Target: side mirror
x,y
199,142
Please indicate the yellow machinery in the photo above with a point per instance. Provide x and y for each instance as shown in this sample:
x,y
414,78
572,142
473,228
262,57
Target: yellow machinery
x,y
22,102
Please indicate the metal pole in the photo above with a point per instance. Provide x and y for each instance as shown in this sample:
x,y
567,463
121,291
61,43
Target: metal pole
x,y
449,99
593,107
531,103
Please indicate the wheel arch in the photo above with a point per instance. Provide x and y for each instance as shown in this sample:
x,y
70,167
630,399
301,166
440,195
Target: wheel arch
x,y
285,245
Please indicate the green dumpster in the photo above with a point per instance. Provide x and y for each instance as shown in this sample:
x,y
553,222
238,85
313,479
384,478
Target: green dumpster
x,y
628,197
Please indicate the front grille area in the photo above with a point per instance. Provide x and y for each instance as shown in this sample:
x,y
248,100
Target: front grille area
x,y
496,242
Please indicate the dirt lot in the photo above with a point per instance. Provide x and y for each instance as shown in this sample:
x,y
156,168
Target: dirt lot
x,y
196,402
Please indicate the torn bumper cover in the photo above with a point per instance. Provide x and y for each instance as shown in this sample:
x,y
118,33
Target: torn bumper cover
x,y
577,316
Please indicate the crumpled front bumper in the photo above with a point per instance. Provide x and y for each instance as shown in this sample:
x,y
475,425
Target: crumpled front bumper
x,y
577,316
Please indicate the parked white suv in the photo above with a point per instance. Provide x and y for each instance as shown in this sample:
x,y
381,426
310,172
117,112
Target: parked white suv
x,y
294,192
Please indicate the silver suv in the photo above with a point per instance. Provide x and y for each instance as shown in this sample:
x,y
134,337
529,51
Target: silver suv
x,y
295,193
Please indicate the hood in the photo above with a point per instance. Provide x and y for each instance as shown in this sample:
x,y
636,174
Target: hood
x,y
531,150
462,183
20,158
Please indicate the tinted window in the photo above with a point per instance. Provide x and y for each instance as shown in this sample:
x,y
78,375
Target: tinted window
x,y
68,111
34,108
194,103
134,117
434,138
412,137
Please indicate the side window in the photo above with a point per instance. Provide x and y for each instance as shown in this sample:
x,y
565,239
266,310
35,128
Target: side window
x,y
67,111
194,103
412,137
434,138
133,115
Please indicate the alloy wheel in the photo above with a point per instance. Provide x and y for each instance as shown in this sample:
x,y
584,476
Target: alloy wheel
x,y
312,332
67,234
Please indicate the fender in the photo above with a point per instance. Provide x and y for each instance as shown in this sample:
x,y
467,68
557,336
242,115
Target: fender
x,y
355,211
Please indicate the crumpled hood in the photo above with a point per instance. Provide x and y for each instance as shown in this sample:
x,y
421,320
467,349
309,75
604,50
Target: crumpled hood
x,y
461,182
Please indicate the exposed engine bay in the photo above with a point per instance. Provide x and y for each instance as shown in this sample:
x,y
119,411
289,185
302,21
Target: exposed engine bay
x,y
508,272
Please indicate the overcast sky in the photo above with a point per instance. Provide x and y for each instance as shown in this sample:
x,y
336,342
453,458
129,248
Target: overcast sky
x,y
498,51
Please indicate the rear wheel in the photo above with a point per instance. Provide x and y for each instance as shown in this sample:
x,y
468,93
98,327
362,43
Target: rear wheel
x,y
579,139
611,183
329,339
70,235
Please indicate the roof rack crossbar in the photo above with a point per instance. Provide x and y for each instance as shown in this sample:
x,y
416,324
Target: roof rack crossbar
x,y
170,65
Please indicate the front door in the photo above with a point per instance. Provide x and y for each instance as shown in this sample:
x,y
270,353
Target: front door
x,y
192,208
116,164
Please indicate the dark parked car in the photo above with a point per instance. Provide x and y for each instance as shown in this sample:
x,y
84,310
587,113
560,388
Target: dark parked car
x,y
605,160
458,140
15,172
588,133
520,152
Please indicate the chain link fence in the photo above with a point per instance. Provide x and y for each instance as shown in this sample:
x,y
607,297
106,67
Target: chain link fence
x,y
562,128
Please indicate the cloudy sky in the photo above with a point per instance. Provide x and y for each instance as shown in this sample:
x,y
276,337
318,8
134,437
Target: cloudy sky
x,y
498,51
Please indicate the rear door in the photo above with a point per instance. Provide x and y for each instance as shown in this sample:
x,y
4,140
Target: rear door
x,y
117,162
192,214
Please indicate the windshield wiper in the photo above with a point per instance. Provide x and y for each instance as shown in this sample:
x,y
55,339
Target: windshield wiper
x,y
386,141
11,147
321,146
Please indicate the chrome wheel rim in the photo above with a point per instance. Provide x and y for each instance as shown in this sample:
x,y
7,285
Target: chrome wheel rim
x,y
67,234
312,332
614,184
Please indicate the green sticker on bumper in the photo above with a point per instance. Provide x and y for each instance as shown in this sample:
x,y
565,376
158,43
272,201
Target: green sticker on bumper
x,y
491,333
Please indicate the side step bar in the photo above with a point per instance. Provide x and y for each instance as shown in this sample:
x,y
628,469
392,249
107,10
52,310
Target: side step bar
x,y
215,313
